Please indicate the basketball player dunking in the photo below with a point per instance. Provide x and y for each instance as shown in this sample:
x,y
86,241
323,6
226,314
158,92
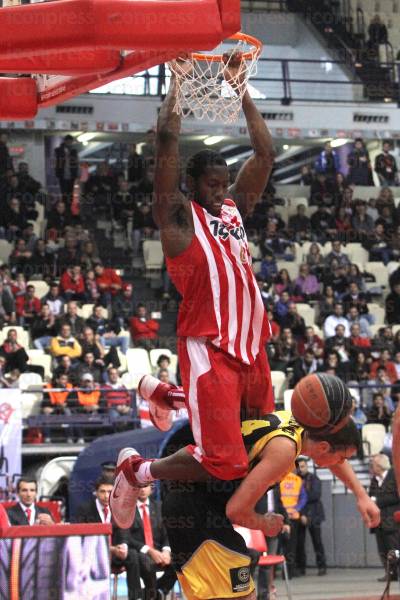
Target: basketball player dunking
x,y
222,324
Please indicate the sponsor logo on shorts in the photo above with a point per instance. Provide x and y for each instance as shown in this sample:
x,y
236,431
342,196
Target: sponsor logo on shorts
x,y
240,579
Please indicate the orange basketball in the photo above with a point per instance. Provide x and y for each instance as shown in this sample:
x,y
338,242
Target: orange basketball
x,y
321,402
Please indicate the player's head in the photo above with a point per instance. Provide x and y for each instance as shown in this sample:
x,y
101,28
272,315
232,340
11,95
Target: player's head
x,y
329,449
208,180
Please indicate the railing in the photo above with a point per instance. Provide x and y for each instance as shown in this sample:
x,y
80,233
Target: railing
x,y
277,80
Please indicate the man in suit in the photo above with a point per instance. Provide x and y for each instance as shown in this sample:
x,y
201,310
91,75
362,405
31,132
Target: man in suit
x,y
26,511
311,518
383,490
97,510
149,542
66,166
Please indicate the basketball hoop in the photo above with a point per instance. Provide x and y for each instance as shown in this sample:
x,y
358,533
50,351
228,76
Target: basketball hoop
x,y
204,88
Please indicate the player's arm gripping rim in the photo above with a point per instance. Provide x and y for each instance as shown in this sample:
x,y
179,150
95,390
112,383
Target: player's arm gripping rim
x,y
253,176
171,211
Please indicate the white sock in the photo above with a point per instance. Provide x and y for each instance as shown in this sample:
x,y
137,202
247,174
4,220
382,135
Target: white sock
x,y
143,474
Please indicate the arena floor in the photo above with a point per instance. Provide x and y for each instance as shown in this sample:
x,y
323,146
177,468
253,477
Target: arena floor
x,y
339,584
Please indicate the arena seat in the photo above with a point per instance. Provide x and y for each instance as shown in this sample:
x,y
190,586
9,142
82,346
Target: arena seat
x,y
5,250
379,271
287,399
153,256
392,266
373,438
85,311
40,359
307,312
378,312
292,267
278,379
122,360
138,363
356,253
255,251
128,380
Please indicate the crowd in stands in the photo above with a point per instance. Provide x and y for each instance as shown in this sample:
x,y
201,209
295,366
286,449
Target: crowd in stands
x,y
47,280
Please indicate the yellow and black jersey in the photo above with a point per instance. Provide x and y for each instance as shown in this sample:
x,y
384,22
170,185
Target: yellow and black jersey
x,y
257,433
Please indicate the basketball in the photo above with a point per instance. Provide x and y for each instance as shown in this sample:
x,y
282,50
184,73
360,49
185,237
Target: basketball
x,y
321,402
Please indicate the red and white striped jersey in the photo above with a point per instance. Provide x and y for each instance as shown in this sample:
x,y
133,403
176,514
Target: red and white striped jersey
x,y
220,296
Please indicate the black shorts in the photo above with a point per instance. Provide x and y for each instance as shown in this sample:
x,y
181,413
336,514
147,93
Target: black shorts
x,y
210,557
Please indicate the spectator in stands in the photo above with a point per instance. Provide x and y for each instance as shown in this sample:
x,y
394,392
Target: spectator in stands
x,y
320,188
357,340
69,254
339,342
54,300
56,403
294,321
360,171
282,306
97,510
92,293
43,328
312,516
86,400
337,318
361,221
354,297
386,166
65,344
383,490
312,342
117,398
384,340
43,260
275,328
384,360
342,220
274,217
377,34
397,365
72,284
89,256
71,318
333,365
269,268
276,243
144,331
27,307
336,254
108,282
283,283
107,330
144,227
20,257
354,318
379,413
358,415
304,365
59,218
5,159
336,278
299,225
306,175
164,364
7,306
18,285
306,284
381,384
136,165
66,166
16,356
98,191
26,511
64,368
13,219
287,348
356,276
314,259
89,365
323,225
328,162
26,183
91,343
360,367
123,206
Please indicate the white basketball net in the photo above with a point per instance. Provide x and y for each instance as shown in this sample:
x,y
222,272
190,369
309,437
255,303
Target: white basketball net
x,y
213,89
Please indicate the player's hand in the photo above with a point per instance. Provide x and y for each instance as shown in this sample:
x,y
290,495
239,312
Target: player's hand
x,y
235,69
369,511
167,557
273,524
182,64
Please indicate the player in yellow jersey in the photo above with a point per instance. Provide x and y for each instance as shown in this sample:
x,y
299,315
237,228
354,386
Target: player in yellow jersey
x,y
210,557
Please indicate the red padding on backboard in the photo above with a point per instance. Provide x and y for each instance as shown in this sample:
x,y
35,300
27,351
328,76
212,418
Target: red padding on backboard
x,y
67,62
18,97
62,530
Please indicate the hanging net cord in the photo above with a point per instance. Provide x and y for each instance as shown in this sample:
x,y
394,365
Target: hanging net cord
x,y
213,89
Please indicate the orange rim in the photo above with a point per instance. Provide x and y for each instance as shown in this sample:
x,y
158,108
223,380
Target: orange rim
x,y
249,39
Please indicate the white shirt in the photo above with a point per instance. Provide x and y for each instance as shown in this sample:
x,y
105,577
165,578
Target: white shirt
x,y
33,512
100,510
139,504
381,478
332,322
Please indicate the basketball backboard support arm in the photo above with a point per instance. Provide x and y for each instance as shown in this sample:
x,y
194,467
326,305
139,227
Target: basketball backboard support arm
x,y
82,41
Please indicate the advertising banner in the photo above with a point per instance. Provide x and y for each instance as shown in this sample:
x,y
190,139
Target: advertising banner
x,y
10,433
